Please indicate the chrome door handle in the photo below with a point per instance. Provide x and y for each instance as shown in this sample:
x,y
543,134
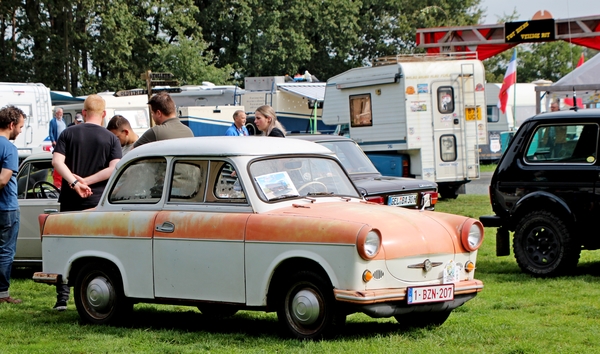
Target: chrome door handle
x,y
167,226
50,211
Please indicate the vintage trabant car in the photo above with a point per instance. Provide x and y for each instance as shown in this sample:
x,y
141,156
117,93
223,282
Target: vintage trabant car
x,y
258,223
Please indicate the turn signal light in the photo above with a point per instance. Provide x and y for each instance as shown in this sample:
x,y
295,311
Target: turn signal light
x,y
469,267
367,276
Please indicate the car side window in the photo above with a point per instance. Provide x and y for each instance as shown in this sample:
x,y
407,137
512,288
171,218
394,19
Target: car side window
x,y
140,182
577,143
32,175
226,186
188,182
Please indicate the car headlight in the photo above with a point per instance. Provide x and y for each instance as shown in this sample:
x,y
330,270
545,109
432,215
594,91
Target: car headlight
x,y
472,235
368,243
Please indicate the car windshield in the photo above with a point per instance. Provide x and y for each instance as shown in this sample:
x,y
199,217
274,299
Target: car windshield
x,y
293,177
351,156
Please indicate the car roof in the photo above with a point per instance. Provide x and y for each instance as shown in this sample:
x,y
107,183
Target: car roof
x,y
580,113
227,146
46,155
320,137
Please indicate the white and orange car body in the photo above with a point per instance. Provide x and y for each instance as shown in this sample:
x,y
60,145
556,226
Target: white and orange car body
x,y
232,253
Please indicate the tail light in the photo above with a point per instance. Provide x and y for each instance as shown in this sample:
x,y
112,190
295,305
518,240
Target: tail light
x,y
405,169
375,199
433,197
47,148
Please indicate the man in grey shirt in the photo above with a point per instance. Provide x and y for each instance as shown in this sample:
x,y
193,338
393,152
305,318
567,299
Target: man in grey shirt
x,y
168,125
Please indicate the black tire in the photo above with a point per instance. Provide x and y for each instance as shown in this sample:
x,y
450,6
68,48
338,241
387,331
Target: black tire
x,y
217,311
306,307
99,294
544,246
448,193
422,319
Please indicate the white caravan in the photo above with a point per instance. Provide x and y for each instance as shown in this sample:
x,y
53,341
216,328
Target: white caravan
x,y
34,100
423,113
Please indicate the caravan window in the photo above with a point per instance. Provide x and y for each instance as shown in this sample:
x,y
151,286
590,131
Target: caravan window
x,y
493,114
360,111
445,95
448,148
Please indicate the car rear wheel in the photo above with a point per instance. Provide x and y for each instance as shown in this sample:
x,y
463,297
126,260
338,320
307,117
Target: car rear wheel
x,y
543,245
99,294
422,319
307,307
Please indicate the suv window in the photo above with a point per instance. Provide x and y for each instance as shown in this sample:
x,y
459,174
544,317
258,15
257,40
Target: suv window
x,y
563,143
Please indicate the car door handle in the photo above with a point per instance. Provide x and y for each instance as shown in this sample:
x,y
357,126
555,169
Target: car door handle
x,y
165,227
50,211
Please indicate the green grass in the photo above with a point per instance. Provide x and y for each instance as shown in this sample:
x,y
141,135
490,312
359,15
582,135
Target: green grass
x,y
515,313
488,167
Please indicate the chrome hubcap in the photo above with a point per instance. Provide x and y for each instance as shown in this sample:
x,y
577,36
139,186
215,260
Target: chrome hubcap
x,y
98,294
306,307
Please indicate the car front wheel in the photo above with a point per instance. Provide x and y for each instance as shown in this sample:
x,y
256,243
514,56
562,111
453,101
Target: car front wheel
x,y
307,307
544,246
99,294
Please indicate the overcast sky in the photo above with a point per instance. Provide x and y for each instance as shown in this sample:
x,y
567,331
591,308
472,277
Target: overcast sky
x,y
526,8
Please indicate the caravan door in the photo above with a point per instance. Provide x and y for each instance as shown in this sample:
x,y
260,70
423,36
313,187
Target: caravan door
x,y
448,131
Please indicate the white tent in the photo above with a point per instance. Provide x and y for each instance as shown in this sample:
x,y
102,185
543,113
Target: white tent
x,y
584,82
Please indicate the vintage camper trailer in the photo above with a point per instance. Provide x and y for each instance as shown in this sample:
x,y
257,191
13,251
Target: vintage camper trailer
x,y
425,114
34,100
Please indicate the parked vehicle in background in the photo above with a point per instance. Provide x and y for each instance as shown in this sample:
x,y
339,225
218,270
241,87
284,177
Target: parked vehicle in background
x,y
395,191
34,100
37,195
545,189
426,113
229,223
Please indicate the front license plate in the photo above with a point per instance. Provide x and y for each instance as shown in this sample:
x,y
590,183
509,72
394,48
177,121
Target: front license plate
x,y
402,200
434,293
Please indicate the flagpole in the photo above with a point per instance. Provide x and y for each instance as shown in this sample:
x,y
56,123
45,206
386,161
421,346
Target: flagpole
x,y
515,96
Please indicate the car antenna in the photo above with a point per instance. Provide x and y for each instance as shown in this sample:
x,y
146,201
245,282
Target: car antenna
x,y
574,100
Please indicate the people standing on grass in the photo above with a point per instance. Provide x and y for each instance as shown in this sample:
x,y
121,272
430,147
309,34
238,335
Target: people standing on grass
x,y
266,121
12,120
238,128
121,128
85,156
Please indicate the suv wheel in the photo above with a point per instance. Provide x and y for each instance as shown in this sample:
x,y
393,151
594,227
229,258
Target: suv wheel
x,y
543,245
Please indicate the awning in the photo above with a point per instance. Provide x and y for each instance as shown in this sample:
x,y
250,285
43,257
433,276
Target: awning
x,y
312,91
62,98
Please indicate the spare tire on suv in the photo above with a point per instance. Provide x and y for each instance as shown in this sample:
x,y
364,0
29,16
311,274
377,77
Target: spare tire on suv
x,y
546,189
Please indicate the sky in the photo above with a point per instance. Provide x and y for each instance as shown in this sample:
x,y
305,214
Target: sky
x,y
526,8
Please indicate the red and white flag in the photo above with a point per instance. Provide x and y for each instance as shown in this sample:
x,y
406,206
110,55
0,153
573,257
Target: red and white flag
x,y
509,78
581,60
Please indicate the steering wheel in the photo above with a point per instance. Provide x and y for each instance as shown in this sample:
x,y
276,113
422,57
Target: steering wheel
x,y
45,187
311,183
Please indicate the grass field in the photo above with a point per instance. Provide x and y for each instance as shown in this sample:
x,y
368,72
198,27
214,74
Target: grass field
x,y
515,313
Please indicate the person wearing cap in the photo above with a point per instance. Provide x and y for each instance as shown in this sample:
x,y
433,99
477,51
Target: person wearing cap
x,y
78,120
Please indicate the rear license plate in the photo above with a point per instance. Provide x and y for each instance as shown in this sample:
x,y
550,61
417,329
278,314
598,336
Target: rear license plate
x,y
402,200
434,293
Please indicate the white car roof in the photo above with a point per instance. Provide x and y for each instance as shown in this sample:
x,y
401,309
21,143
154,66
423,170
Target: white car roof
x,y
227,146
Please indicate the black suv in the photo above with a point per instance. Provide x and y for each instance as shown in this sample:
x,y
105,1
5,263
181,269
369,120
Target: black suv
x,y
546,189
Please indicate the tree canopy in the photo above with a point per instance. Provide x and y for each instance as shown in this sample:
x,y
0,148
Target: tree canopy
x,y
94,45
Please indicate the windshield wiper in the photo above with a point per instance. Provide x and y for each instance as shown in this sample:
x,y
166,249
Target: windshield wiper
x,y
320,193
284,196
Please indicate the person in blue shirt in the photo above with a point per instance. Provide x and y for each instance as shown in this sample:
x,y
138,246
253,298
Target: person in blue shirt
x,y
57,125
238,128
12,120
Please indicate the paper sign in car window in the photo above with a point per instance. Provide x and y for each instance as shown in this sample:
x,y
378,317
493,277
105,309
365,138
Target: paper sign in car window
x,y
274,185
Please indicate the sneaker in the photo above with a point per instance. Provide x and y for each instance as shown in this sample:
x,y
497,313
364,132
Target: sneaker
x,y
10,300
60,306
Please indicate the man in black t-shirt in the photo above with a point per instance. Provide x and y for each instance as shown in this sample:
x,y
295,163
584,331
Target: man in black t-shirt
x,y
85,156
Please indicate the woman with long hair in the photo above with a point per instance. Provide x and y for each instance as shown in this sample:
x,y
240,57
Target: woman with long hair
x,y
266,121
